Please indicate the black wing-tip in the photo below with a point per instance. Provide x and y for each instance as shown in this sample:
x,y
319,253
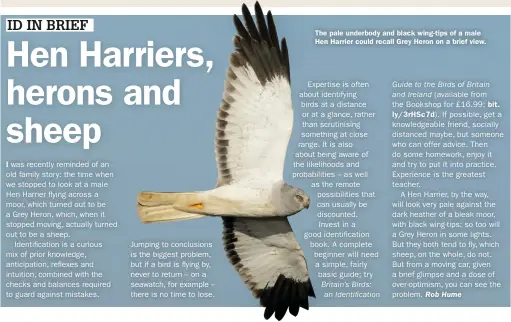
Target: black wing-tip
x,y
286,294
258,43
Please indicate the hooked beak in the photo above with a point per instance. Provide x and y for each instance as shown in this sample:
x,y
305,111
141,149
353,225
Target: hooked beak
x,y
307,203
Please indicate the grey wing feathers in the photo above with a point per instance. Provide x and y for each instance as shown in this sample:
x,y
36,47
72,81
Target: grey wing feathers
x,y
267,256
258,66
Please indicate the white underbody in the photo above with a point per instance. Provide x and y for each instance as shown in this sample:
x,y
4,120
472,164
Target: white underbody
x,y
240,201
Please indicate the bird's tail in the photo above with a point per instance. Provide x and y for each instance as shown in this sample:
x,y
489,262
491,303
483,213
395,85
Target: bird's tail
x,y
169,206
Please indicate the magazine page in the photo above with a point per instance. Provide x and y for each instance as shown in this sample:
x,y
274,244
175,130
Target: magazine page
x,y
255,160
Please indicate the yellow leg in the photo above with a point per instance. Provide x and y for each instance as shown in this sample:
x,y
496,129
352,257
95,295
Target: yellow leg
x,y
197,206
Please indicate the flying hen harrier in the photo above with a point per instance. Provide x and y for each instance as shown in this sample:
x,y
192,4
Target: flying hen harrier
x,y
253,128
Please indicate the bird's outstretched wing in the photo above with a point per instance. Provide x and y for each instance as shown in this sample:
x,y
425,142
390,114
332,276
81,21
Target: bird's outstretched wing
x,y
271,262
255,119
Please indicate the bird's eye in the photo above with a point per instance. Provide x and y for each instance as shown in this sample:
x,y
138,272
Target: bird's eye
x,y
299,198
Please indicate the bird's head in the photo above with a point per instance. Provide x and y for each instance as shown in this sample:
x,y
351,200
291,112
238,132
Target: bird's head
x,y
290,199
302,198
